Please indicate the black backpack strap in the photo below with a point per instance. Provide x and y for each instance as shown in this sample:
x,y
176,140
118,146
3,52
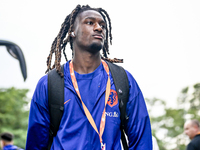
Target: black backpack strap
x,y
56,102
122,87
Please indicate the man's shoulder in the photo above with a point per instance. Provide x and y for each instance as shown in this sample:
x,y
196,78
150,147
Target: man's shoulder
x,y
196,140
43,81
12,147
130,76
133,85
194,144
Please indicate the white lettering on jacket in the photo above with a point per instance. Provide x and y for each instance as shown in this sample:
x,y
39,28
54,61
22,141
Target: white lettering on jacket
x,y
112,114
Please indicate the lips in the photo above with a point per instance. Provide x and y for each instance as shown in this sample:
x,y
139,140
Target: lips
x,y
98,36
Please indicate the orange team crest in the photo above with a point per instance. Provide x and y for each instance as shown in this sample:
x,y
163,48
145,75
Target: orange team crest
x,y
113,98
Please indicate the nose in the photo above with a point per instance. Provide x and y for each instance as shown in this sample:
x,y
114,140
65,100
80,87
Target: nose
x,y
97,27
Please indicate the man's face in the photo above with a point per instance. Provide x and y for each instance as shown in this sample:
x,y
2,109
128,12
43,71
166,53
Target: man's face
x,y
190,130
90,30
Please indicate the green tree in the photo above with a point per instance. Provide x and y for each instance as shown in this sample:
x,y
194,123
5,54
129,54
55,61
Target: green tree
x,y
189,99
167,123
14,113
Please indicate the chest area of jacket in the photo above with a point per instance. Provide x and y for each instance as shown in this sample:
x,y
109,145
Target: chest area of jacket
x,y
95,102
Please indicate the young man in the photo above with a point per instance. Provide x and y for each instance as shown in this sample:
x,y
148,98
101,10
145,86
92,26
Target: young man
x,y
91,117
192,130
7,142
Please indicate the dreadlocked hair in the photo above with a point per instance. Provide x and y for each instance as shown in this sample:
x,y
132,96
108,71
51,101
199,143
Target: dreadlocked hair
x,y
64,36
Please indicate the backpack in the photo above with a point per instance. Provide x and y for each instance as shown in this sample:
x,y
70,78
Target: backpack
x,y
56,99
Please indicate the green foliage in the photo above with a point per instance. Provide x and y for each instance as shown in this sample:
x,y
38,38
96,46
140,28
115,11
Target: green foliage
x,y
170,122
14,113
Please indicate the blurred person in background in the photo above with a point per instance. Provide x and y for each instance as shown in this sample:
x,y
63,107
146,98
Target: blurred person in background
x,y
192,130
7,142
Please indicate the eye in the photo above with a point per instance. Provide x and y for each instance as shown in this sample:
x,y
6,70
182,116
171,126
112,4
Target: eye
x,y
90,23
103,26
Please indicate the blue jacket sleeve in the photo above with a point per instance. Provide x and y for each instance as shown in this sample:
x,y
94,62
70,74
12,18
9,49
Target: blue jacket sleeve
x,y
38,127
138,128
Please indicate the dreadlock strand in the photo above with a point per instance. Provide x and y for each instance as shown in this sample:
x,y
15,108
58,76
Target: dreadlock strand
x,y
58,63
115,60
58,57
110,27
53,49
61,36
65,28
72,20
49,58
106,46
104,52
65,54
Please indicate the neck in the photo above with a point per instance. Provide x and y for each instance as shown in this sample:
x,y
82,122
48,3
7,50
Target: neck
x,y
5,143
85,62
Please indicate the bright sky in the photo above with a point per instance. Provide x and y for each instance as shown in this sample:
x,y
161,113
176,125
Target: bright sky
x,y
159,40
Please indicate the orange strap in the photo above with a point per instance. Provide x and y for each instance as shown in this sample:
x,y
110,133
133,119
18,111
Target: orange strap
x,y
87,113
